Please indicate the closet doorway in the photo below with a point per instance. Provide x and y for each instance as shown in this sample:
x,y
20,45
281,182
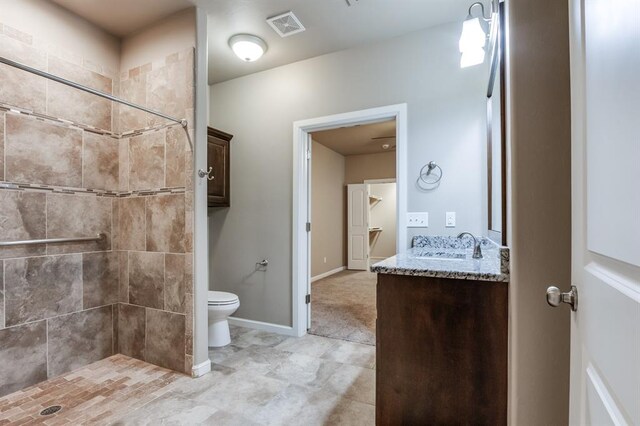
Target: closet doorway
x,y
371,222
353,216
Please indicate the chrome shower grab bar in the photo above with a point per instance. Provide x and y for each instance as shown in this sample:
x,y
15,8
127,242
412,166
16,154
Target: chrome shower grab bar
x,y
99,237
23,67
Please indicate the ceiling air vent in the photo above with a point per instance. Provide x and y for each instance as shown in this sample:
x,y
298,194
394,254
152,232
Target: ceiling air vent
x,y
286,24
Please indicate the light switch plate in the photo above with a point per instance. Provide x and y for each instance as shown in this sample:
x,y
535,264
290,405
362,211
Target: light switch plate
x,y
418,220
450,219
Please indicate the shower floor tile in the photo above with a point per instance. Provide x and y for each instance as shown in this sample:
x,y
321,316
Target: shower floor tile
x,y
261,378
101,391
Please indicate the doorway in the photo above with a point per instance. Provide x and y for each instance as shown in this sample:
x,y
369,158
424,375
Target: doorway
x,y
302,193
354,224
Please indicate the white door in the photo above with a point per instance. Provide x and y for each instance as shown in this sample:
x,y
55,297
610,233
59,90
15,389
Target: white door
x,y
605,329
358,227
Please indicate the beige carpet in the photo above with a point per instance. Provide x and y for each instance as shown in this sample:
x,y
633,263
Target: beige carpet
x,y
343,306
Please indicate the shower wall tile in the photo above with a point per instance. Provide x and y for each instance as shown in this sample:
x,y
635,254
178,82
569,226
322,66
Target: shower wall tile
x,y
123,265
170,88
146,161
115,223
165,223
100,162
79,339
146,279
174,283
175,158
131,330
23,356
1,294
188,221
42,152
100,278
73,104
22,218
14,81
123,159
165,332
78,215
131,235
133,89
188,344
114,327
2,114
42,287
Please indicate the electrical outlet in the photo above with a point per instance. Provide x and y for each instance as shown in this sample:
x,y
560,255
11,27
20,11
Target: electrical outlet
x,y
325,260
418,220
450,219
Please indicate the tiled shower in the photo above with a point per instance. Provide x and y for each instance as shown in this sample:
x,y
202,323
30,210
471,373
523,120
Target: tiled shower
x,y
76,165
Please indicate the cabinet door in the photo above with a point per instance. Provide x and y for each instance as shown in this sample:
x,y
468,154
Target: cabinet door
x,y
218,158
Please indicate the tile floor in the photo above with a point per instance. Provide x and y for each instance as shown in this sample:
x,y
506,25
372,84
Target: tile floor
x,y
260,379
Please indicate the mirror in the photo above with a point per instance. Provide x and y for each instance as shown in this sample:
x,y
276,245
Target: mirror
x,y
496,134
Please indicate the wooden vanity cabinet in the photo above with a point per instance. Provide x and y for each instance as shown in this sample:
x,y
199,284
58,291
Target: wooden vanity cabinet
x,y
441,354
219,159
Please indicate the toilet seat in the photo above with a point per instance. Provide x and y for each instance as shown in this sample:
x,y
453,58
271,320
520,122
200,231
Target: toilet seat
x,y
221,298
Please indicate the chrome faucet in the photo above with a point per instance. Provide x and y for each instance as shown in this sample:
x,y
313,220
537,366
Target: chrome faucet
x,y
477,251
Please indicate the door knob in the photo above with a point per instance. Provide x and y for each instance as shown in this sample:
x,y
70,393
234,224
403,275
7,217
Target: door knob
x,y
555,297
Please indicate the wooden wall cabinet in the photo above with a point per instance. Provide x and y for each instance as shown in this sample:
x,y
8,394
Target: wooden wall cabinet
x,y
219,159
441,354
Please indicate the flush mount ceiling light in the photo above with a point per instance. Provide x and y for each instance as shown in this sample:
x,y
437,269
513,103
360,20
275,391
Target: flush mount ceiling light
x,y
474,37
247,47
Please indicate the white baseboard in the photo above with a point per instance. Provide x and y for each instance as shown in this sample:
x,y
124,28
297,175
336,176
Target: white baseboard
x,y
328,274
201,369
264,326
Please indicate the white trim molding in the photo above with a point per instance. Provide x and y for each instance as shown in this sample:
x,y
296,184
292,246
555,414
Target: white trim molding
x,y
328,274
263,326
200,220
301,207
201,369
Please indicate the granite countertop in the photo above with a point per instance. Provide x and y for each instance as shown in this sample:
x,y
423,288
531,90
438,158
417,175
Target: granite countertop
x,y
449,257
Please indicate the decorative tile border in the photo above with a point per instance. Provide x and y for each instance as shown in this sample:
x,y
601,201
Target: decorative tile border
x,y
81,126
28,187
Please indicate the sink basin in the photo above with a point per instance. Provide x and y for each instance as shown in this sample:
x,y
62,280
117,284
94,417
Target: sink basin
x,y
441,256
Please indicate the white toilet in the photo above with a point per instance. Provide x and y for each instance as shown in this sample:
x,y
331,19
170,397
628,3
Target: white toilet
x,y
221,305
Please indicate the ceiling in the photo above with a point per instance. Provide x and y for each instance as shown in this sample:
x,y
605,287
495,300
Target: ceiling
x,y
123,17
358,139
331,25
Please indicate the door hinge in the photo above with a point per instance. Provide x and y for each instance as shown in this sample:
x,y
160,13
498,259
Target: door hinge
x,y
308,155
307,299
308,226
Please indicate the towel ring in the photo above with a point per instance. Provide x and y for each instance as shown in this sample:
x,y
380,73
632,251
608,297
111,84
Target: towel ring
x,y
427,174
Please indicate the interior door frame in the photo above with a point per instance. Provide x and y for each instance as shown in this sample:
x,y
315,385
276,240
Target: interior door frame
x,y
300,262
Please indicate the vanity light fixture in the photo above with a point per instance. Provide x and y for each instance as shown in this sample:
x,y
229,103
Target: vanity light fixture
x,y
247,47
474,37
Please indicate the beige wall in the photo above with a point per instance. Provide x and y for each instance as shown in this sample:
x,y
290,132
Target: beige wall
x,y
66,35
329,179
359,168
170,35
383,214
540,210
327,210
